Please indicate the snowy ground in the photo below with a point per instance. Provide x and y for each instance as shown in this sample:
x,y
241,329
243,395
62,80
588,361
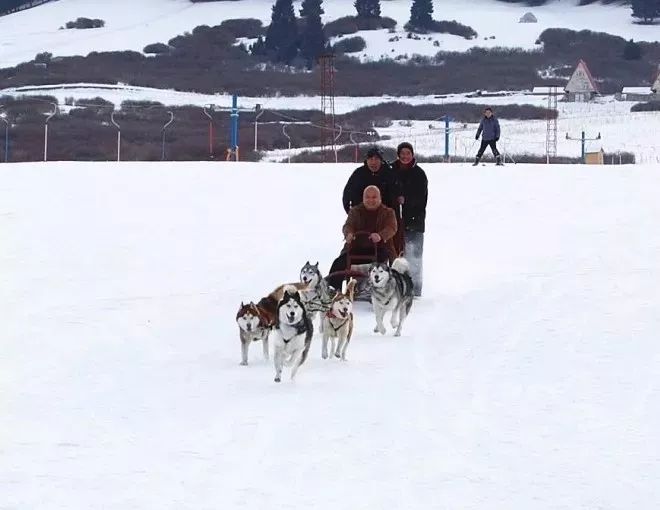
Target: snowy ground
x,y
32,31
525,377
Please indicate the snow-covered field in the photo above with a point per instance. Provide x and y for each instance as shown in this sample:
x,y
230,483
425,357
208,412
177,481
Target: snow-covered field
x,y
525,378
131,25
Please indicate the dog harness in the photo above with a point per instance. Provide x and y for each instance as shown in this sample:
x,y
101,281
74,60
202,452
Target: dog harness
x,y
331,315
300,328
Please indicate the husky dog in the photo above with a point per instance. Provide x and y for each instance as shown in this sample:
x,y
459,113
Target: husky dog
x,y
338,322
391,290
294,333
256,321
253,326
318,295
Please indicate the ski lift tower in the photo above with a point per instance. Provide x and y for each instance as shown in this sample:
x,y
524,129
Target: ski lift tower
x,y
551,125
327,70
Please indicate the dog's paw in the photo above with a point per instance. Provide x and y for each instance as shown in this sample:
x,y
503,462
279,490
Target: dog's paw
x,y
324,355
278,379
243,363
380,329
337,355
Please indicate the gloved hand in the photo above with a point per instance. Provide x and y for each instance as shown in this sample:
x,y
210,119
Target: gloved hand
x,y
476,137
497,139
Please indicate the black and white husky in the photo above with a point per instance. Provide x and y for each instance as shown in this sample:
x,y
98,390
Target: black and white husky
x,y
294,333
318,295
391,290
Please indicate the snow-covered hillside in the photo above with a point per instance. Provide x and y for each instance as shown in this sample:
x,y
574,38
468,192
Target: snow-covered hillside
x,y
526,377
131,25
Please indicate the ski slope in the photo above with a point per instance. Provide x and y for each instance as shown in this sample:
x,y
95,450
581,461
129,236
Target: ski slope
x,y
526,377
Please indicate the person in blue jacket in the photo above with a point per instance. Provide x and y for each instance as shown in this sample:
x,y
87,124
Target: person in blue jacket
x,y
489,130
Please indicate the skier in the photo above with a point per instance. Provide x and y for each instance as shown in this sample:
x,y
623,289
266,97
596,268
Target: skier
x,y
490,127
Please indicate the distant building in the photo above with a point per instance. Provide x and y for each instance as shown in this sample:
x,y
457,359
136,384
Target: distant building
x,y
528,18
546,91
656,83
651,93
581,87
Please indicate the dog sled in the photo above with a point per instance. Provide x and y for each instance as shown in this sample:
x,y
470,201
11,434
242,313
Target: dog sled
x,y
357,267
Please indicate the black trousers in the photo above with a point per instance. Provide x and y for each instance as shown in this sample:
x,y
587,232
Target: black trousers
x,y
340,262
486,143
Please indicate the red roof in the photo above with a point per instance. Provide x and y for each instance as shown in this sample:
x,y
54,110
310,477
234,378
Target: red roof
x,y
589,75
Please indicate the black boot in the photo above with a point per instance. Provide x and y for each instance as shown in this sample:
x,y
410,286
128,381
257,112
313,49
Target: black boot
x,y
476,161
498,160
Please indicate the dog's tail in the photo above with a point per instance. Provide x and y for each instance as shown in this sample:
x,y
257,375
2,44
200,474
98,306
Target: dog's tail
x,y
401,265
290,289
349,290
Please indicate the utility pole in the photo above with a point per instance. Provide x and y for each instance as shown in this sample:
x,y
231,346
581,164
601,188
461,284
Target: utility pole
x,y
4,119
258,113
582,139
114,123
208,115
162,153
46,131
447,119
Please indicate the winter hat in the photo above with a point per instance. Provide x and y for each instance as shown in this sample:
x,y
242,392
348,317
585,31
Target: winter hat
x,y
374,151
404,145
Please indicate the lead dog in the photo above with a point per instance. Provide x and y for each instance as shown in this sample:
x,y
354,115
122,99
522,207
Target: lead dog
x,y
255,321
391,290
294,333
338,323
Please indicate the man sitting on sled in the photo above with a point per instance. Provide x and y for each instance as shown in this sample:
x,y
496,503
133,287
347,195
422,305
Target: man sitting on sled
x,y
378,221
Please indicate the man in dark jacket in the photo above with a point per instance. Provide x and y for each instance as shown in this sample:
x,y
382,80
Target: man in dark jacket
x,y
490,127
414,186
375,171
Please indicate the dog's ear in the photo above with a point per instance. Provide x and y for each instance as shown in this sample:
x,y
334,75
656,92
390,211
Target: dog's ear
x,y
316,265
242,304
307,263
252,303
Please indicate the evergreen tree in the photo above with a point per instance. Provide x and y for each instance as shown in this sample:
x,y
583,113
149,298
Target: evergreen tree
x,y
632,51
311,8
421,13
282,34
313,40
367,8
646,10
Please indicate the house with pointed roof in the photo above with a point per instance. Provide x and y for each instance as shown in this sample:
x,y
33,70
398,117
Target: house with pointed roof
x,y
581,87
656,82
646,93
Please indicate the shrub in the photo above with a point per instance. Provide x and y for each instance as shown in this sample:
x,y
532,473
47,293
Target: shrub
x,y
84,23
351,24
651,106
244,27
632,51
350,45
43,58
454,28
156,48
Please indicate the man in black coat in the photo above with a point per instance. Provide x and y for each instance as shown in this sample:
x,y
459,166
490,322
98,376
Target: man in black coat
x,y
414,186
374,172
